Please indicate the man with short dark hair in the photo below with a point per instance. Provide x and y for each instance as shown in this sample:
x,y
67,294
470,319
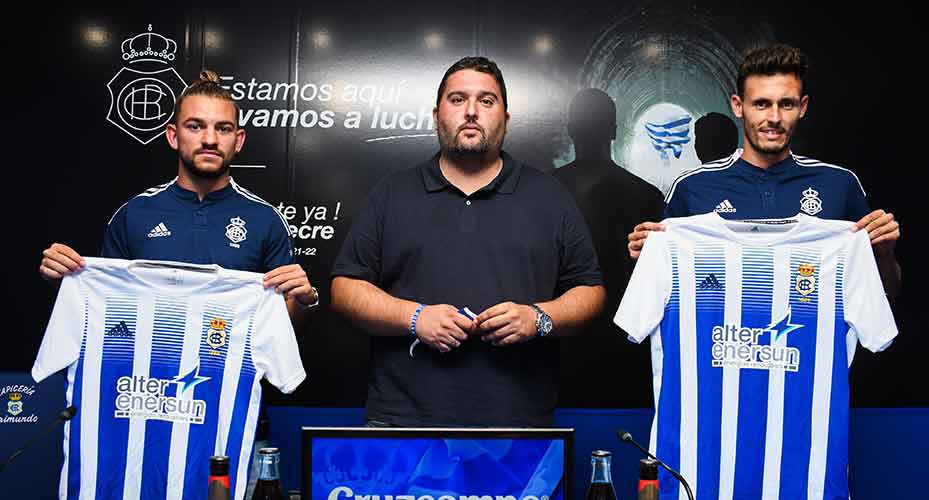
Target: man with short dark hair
x,y
470,229
765,180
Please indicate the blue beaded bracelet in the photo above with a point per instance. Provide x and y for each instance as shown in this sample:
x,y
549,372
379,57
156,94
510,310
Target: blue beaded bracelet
x,y
419,310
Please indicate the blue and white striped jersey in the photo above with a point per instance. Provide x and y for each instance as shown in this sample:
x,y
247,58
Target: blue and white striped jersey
x,y
753,326
164,362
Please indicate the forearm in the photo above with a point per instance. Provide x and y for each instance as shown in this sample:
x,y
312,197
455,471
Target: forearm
x,y
574,309
372,309
891,274
299,316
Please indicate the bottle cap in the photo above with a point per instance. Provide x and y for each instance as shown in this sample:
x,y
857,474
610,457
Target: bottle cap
x,y
219,465
601,454
648,469
268,451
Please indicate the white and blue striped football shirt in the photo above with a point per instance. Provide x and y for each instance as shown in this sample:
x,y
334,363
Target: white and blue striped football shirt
x,y
164,362
753,326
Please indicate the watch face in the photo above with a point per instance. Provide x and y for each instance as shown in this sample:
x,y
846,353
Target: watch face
x,y
543,322
546,324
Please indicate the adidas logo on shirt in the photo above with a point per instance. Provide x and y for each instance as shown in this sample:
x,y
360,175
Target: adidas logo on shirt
x,y
710,282
724,207
119,330
159,231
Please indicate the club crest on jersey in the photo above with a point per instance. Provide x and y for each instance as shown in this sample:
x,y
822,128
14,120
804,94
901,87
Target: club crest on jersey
x,y
236,231
810,204
216,335
15,405
805,281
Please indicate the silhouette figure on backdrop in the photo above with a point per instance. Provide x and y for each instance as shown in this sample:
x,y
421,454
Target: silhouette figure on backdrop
x,y
612,200
715,136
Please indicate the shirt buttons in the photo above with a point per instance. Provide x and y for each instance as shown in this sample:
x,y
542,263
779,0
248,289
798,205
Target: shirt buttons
x,y
468,202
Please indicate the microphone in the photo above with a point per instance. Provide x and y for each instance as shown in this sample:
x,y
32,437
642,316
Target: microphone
x,y
627,438
63,416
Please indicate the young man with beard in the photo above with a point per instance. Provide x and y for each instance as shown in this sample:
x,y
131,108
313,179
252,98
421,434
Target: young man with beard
x,y
202,216
470,228
765,180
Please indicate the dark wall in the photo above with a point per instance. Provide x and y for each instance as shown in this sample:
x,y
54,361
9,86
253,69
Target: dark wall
x,y
70,168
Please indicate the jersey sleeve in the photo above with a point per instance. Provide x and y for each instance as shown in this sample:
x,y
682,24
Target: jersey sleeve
x,y
61,345
867,311
279,248
360,256
116,236
642,307
857,202
676,202
579,265
276,351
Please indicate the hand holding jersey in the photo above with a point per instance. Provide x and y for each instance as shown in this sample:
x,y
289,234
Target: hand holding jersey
x,y
58,261
882,229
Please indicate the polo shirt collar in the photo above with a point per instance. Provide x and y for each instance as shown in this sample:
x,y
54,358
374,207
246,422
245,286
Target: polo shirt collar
x,y
776,169
191,196
504,183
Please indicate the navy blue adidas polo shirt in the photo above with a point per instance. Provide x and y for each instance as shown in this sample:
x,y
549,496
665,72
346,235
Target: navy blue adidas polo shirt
x,y
230,227
737,189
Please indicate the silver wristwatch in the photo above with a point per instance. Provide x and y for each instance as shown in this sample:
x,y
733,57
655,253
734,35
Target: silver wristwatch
x,y
543,322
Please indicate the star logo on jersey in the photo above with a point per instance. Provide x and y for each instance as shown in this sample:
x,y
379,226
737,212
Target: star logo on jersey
x,y
236,231
810,204
783,326
15,405
805,283
190,380
216,335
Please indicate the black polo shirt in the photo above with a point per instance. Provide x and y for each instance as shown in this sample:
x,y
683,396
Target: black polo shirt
x,y
520,238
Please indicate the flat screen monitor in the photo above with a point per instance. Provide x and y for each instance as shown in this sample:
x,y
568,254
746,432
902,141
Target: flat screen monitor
x,y
436,464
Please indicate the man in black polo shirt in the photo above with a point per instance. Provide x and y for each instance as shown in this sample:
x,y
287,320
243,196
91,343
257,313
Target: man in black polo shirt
x,y
473,229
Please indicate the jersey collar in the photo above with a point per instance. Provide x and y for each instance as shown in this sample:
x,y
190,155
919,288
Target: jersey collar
x,y
191,196
778,168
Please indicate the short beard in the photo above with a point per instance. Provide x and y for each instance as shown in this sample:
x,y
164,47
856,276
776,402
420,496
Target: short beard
x,y
450,144
193,170
769,150
462,151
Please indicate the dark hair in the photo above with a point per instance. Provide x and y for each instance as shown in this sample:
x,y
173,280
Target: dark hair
x,y
207,84
777,59
476,63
